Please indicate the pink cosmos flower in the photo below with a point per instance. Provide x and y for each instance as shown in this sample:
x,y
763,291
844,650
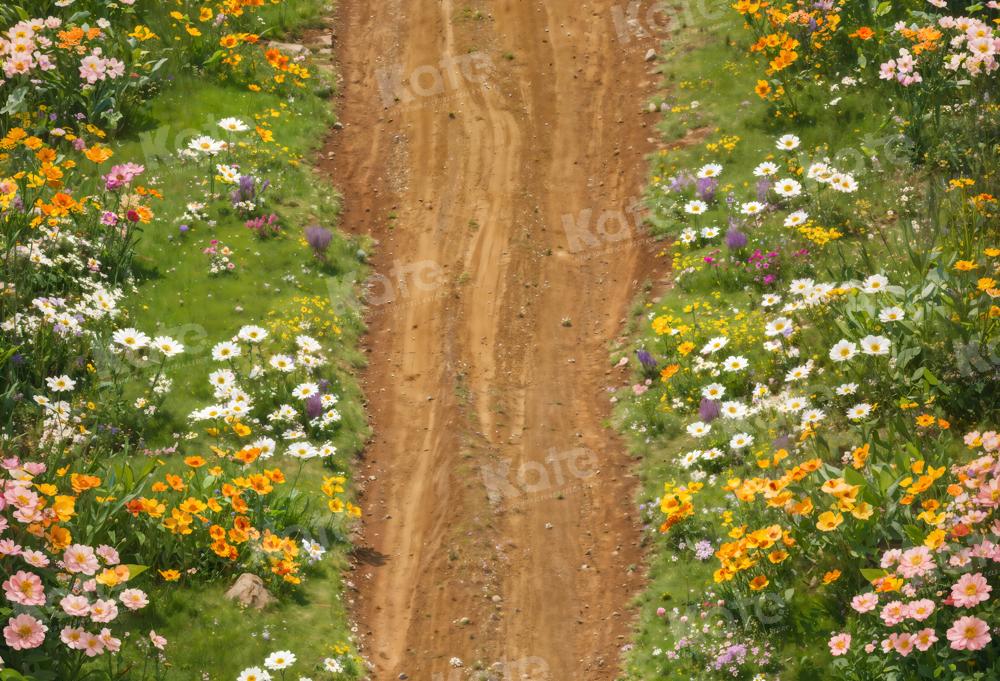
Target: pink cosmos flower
x,y
890,558
24,588
924,639
134,599
865,602
840,644
8,547
111,643
35,558
80,559
72,637
103,611
901,643
75,606
158,641
109,554
970,590
24,632
92,645
969,633
920,610
893,613
916,562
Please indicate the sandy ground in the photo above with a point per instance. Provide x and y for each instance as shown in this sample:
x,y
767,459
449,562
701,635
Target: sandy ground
x,y
497,158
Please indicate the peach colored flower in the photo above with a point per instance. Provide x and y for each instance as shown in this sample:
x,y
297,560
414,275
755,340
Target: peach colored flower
x,y
924,639
24,632
865,602
77,606
893,613
24,588
969,633
840,644
901,643
970,590
80,559
920,610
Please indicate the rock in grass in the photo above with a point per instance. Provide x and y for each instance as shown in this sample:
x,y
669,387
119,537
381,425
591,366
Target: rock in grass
x,y
250,592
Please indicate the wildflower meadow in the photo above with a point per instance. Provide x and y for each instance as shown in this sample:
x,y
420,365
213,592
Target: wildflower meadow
x,y
178,405
815,398
811,398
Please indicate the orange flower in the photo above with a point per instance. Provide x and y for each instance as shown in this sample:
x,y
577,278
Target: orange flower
x,y
668,371
829,521
195,461
170,575
864,33
759,583
763,89
831,576
98,154
81,483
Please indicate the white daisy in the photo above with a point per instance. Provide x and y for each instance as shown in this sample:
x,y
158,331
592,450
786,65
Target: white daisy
x,y
713,391
797,218
875,284
251,334
233,125
710,170
167,346
226,350
282,659
875,345
699,429
60,384
741,440
714,345
734,363
788,142
765,169
843,351
782,326
787,188
859,411
130,339
847,389
695,207
891,314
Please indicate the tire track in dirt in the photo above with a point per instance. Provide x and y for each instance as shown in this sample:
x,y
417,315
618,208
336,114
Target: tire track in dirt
x,y
499,514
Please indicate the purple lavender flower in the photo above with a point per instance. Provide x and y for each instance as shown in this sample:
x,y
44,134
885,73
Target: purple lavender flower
x,y
680,181
705,187
319,240
314,406
645,358
763,187
735,239
709,410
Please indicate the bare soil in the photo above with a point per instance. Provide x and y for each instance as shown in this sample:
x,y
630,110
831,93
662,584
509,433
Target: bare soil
x,y
493,150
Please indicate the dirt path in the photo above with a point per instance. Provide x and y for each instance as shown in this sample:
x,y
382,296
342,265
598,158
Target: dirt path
x,y
499,514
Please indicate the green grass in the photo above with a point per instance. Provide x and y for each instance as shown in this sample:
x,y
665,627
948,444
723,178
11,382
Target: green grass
x,y
210,637
708,96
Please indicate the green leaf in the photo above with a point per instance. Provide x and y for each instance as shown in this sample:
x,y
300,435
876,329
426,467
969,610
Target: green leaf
x,y
883,9
136,570
871,574
15,100
11,675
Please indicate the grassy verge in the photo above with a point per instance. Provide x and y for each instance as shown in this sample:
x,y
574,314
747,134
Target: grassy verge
x,y
711,116
278,284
